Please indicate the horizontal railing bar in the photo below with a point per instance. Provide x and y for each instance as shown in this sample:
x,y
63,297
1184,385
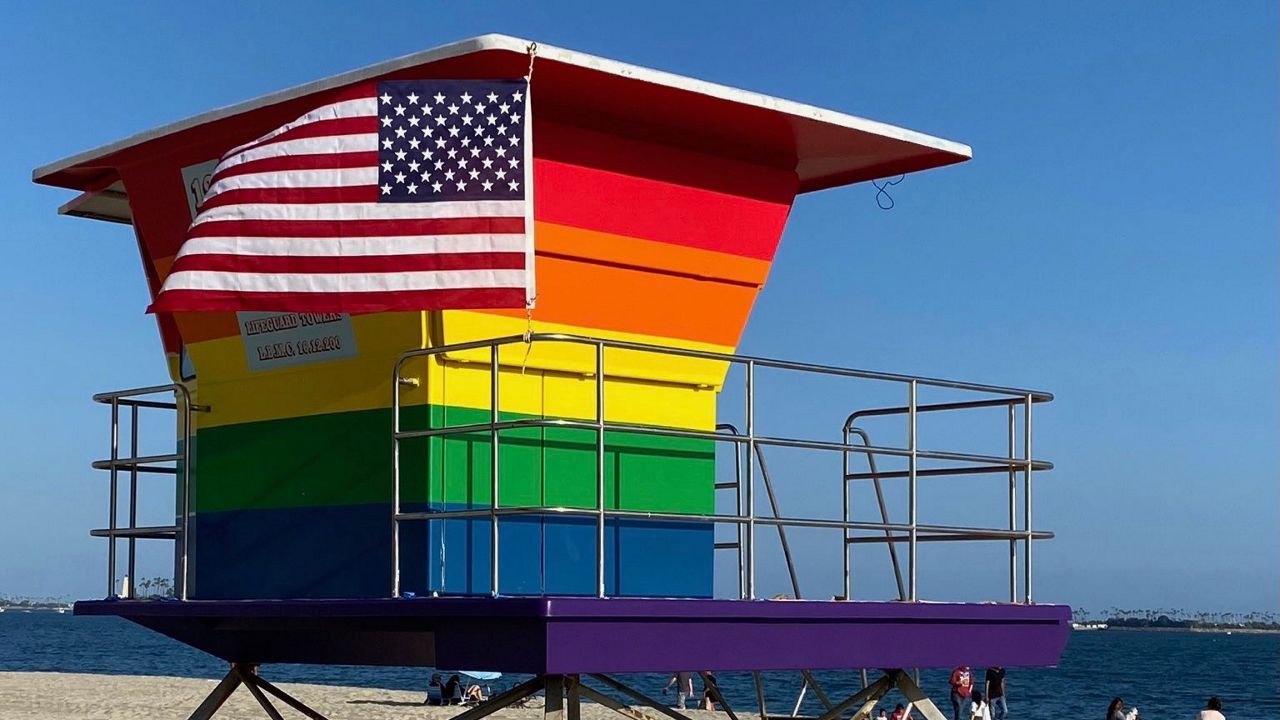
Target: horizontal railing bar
x,y
936,472
1038,395
129,402
160,532
485,427
726,485
942,537
139,461
680,517
940,407
107,397
727,546
151,470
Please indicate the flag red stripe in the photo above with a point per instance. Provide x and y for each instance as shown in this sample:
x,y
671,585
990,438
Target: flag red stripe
x,y
357,228
349,263
221,300
328,161
321,128
303,195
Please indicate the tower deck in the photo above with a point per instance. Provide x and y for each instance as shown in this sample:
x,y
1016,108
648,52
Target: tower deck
x,y
591,635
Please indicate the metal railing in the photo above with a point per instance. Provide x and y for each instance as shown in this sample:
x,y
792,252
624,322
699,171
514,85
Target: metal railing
x,y
748,443
1013,465
135,465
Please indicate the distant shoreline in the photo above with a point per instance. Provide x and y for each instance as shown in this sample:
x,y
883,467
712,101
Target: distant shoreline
x,y
1224,631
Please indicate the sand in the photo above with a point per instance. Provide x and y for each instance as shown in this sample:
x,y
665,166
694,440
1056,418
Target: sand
x,y
75,696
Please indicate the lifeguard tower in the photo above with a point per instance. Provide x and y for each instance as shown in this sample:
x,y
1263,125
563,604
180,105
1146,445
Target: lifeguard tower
x,y
506,490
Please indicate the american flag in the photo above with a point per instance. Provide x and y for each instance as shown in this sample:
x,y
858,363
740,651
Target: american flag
x,y
399,195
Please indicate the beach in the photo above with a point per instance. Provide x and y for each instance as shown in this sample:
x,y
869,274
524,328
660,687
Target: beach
x,y
85,696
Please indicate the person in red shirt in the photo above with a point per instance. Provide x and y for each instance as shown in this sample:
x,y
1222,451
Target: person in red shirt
x,y
961,688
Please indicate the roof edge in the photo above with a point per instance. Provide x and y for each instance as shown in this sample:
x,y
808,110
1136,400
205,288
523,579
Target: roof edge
x,y
496,41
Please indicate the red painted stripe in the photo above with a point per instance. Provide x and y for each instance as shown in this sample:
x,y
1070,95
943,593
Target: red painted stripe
x,y
655,210
226,301
357,228
349,263
294,196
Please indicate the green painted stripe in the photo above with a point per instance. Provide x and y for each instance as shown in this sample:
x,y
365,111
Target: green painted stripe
x,y
345,459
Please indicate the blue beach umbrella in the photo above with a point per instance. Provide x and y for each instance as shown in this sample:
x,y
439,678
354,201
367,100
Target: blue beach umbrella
x,y
481,674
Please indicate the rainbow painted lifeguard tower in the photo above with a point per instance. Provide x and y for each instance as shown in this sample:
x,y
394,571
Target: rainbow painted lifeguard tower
x,y
507,490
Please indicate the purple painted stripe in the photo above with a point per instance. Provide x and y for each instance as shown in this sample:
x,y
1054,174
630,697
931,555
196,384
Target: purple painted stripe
x,y
576,635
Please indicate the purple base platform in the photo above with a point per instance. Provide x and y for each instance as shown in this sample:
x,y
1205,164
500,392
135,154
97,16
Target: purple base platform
x,y
547,635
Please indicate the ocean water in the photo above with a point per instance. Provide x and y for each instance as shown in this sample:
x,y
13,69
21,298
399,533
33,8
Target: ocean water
x,y
1167,675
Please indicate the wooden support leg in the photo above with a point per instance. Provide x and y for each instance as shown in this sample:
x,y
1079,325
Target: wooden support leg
x,y
869,695
219,695
554,708
817,689
717,696
288,699
247,677
571,685
614,705
496,703
641,697
912,692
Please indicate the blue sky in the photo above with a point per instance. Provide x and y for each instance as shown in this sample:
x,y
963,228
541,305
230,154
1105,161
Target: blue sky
x,y
1114,241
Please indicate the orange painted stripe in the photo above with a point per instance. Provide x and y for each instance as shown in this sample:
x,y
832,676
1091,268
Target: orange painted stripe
x,y
639,262
616,298
592,245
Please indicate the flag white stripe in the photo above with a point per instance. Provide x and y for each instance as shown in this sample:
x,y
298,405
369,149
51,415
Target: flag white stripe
x,y
363,211
328,145
344,282
353,247
361,107
340,177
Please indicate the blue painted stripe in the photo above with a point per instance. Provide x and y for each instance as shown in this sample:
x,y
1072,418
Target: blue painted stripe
x,y
344,552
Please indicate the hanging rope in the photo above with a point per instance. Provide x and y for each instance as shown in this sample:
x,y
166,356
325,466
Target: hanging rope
x,y
883,199
528,308
533,53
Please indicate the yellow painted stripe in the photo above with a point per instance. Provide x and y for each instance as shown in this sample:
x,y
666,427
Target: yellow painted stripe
x,y
237,395
635,391
461,326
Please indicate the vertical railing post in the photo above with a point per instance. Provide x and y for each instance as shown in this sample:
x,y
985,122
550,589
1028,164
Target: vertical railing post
x,y
844,507
911,492
184,524
133,494
1026,500
600,460
111,513
738,528
751,480
395,479
1013,504
493,488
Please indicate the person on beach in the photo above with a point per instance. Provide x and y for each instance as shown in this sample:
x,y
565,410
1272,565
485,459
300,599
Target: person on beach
x,y
435,691
961,688
710,691
993,689
453,690
684,688
1116,711
900,713
883,715
978,710
1212,710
